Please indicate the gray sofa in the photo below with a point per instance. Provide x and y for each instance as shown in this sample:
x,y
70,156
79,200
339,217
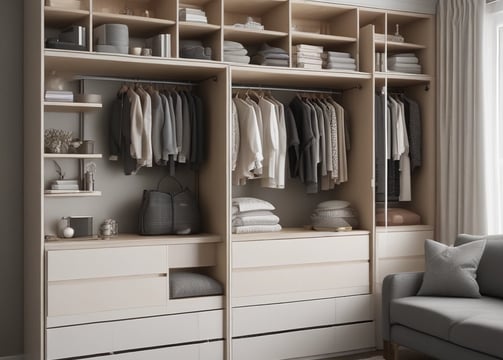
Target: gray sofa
x,y
448,328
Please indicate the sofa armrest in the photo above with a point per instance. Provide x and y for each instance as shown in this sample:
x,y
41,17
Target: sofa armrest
x,y
397,286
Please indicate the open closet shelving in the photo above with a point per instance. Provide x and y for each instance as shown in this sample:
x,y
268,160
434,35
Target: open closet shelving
x,y
292,294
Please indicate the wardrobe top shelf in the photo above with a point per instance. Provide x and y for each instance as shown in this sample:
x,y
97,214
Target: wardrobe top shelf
x,y
56,106
130,240
295,233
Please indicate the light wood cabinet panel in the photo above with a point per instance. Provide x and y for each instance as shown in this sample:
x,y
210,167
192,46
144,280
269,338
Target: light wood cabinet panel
x,y
101,296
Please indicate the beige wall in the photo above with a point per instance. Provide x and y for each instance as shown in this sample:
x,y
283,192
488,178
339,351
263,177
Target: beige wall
x,y
11,178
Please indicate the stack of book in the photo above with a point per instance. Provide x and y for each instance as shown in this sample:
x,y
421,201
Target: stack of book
x,y
406,63
193,15
307,56
58,95
64,186
336,60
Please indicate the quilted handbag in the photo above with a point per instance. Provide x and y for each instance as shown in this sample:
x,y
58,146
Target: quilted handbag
x,y
166,213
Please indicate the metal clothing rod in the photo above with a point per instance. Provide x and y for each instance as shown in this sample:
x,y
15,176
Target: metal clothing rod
x,y
143,81
244,87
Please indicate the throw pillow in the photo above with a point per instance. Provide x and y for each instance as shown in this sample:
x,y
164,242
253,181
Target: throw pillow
x,y
184,284
451,271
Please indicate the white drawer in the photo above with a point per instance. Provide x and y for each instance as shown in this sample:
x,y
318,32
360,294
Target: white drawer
x,y
250,320
314,342
301,281
213,350
400,244
99,295
248,254
108,337
106,262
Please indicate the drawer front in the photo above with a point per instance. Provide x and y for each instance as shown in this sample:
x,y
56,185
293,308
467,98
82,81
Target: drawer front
x,y
108,262
248,254
314,342
98,295
250,320
301,279
398,244
205,351
133,334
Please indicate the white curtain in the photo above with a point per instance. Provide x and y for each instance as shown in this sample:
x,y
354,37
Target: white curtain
x,y
460,181
493,84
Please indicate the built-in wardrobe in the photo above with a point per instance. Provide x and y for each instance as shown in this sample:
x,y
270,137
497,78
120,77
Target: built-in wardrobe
x,y
294,293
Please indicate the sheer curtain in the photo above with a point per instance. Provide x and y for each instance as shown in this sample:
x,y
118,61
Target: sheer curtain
x,y
493,84
460,179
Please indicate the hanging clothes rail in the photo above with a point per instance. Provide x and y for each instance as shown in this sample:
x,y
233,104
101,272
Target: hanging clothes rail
x,y
318,91
143,81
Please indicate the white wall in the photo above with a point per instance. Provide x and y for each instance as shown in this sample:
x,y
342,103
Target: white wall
x,y
11,178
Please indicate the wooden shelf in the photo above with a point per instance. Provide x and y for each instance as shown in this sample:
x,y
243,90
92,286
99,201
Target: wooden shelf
x,y
138,25
194,29
73,156
146,67
292,77
60,17
56,106
294,233
317,11
251,8
301,37
395,79
78,193
248,36
394,46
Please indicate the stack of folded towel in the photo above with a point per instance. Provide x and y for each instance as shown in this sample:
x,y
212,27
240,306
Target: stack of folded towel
x,y
407,63
193,15
194,49
307,56
235,52
252,215
335,215
336,60
271,56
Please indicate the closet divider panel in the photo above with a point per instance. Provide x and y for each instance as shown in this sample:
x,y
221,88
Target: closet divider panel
x,y
33,179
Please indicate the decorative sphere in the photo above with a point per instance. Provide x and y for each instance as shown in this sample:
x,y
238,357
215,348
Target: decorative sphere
x,y
68,232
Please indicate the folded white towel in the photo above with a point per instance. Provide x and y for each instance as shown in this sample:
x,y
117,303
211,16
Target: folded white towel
x,y
255,218
255,228
250,203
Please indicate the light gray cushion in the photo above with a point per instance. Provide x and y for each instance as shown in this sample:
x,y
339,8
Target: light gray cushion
x,y
451,271
438,315
483,332
490,271
184,284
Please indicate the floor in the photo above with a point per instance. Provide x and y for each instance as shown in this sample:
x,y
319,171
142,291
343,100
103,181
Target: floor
x,y
404,354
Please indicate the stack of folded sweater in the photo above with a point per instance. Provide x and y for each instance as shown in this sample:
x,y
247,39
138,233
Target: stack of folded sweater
x,y
235,52
336,60
252,215
335,215
271,56
407,63
307,56
194,49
